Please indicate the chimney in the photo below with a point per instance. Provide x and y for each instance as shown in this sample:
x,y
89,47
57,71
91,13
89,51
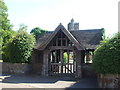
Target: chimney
x,y
73,26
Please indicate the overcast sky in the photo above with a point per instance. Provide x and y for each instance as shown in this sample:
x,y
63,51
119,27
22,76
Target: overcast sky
x,y
47,14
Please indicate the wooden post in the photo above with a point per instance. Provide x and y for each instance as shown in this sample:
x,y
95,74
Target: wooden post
x,y
78,63
68,52
45,63
82,57
61,58
56,41
55,56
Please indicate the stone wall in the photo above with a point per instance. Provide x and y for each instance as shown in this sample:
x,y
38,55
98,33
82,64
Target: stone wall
x,y
16,68
87,70
109,81
37,68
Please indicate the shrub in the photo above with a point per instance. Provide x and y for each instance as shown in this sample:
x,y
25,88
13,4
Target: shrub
x,y
5,38
20,48
106,58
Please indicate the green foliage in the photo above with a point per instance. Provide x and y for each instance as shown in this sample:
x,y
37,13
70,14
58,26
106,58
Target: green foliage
x,y
106,59
65,57
20,48
6,33
23,27
38,32
4,21
5,38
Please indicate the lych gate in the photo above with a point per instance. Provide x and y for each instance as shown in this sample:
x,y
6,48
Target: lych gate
x,y
64,52
61,56
62,62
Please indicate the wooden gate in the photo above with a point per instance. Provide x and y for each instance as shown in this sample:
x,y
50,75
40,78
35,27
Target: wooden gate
x,y
62,62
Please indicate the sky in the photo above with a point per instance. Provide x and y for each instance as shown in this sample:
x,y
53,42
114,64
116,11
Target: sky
x,y
47,14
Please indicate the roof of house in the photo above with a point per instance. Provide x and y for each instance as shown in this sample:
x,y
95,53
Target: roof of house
x,y
83,39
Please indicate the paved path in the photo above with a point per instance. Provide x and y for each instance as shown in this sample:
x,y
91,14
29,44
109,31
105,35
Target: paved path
x,y
35,81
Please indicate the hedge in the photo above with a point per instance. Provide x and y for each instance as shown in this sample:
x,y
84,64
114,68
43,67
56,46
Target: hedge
x,y
107,56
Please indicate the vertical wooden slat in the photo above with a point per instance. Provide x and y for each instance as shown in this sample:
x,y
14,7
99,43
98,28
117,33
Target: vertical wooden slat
x,y
65,67
52,68
73,62
65,42
55,56
55,67
71,68
49,61
61,42
58,68
61,58
68,59
56,41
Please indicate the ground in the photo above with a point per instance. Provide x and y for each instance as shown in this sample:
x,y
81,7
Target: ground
x,y
36,81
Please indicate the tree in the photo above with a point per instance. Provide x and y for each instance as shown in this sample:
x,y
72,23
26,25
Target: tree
x,y
4,21
6,38
23,27
6,32
21,47
38,32
106,59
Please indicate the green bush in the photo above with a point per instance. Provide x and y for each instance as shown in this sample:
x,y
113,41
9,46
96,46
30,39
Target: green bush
x,y
107,56
20,48
5,38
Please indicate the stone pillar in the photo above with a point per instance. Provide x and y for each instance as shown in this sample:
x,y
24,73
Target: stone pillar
x,y
45,63
78,60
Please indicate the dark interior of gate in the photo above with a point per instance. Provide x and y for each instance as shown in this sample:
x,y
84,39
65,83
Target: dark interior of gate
x,y
61,57
65,65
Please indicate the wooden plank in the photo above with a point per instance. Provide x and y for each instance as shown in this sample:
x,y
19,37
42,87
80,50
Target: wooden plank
x,y
70,68
62,38
73,61
65,42
78,61
55,56
51,68
61,47
56,41
65,68
61,58
68,52
55,68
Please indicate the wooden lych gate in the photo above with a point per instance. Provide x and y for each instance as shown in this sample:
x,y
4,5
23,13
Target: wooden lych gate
x,y
64,52
61,54
62,62
61,57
